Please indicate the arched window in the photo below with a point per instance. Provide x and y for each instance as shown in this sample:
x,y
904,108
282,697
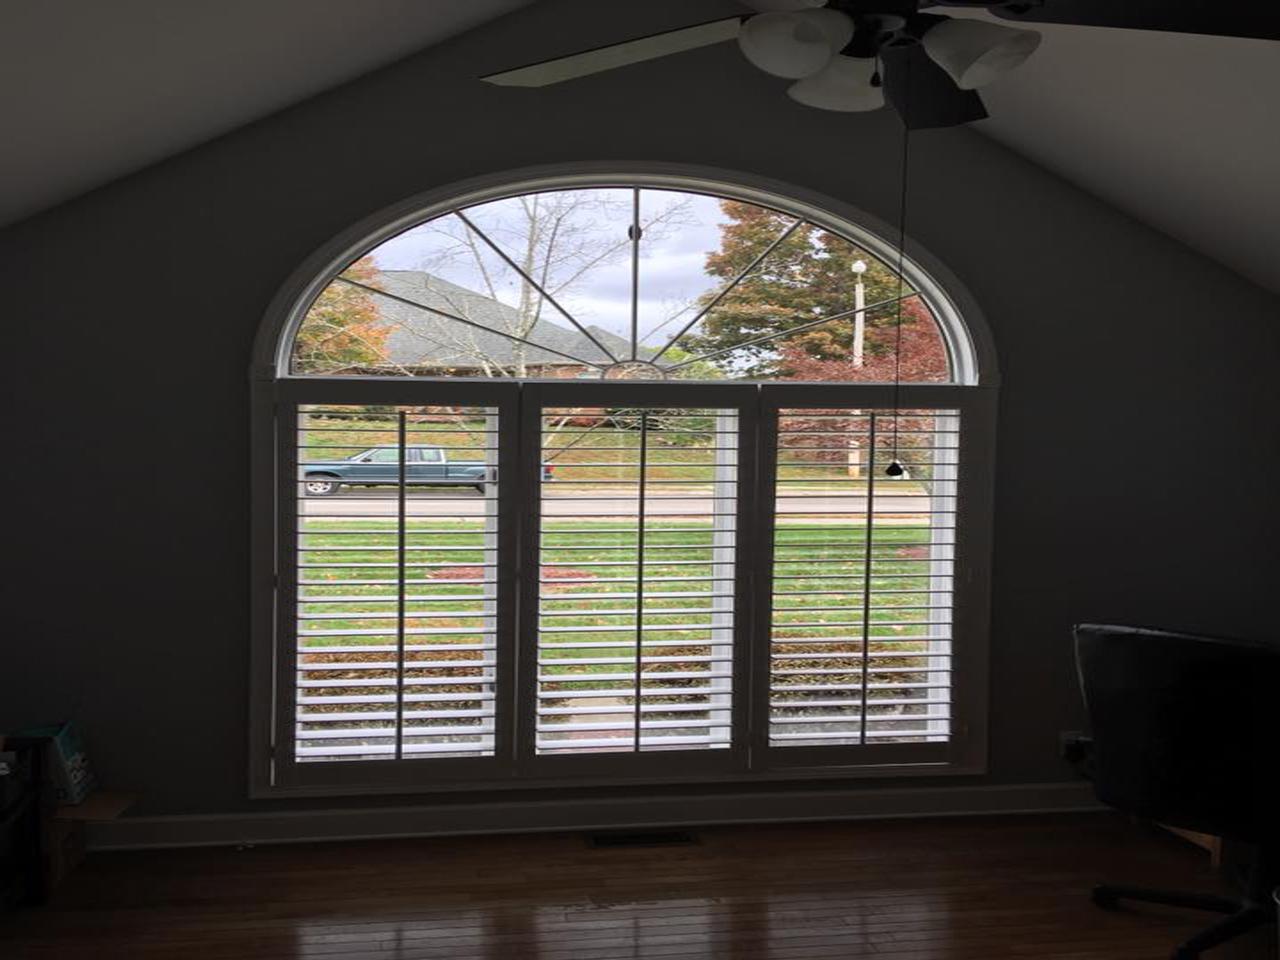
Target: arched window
x,y
623,477
629,282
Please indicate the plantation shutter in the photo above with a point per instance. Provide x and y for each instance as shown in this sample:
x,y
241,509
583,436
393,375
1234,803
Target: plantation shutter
x,y
858,660
634,578
398,606
485,581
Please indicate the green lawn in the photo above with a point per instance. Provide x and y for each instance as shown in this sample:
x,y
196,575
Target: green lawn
x,y
446,558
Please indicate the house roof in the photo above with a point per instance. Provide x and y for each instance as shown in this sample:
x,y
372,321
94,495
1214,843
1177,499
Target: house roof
x,y
420,337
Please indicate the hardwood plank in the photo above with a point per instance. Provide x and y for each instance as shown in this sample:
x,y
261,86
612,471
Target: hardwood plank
x,y
984,889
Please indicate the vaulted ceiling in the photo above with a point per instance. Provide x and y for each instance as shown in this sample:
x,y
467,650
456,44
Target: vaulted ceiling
x,y
1180,132
93,90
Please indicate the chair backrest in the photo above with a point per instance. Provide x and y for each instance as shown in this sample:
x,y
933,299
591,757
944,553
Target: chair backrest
x,y
1185,728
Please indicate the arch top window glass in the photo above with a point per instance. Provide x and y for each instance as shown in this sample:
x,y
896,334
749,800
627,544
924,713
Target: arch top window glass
x,y
629,282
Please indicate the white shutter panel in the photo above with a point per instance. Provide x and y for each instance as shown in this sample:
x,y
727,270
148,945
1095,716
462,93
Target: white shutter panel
x,y
637,580
396,561
862,578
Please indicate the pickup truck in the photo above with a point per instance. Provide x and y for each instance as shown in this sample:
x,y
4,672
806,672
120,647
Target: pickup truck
x,y
381,465
377,466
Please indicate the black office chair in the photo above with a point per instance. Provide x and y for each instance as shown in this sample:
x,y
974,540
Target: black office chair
x,y
1185,733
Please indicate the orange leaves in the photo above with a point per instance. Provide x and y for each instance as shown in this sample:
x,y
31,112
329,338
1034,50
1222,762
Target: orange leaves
x,y
343,330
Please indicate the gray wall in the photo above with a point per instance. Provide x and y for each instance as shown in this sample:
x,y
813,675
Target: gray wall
x,y
1136,447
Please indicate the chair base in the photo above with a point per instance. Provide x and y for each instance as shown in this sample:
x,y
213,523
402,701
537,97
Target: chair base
x,y
1242,915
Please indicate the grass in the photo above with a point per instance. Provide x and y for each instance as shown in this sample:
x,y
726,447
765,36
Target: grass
x,y
817,556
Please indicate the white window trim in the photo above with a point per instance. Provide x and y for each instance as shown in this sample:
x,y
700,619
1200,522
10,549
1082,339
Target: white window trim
x,y
974,392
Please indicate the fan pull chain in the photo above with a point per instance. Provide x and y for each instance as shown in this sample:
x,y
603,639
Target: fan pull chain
x,y
895,467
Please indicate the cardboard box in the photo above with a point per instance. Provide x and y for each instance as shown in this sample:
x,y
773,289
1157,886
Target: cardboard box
x,y
65,832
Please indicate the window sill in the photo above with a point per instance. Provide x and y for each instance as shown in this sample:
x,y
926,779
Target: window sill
x,y
879,771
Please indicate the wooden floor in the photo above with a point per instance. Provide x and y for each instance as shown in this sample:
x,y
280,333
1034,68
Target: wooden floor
x,y
898,890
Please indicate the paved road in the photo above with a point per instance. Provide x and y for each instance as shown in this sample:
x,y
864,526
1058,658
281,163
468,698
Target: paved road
x,y
466,503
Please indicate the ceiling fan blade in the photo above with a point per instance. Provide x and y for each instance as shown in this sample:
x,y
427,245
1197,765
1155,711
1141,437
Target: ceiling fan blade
x,y
784,6
923,94
600,59
1223,18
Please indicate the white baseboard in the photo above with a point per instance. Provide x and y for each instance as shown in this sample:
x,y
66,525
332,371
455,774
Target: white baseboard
x,y
296,826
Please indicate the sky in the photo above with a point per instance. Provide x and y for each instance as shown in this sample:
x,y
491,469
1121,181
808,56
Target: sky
x,y
673,253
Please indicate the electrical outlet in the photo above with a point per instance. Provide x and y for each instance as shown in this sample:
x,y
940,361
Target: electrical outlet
x,y
1072,745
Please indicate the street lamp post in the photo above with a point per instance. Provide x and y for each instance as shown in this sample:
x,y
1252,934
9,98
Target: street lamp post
x,y
859,267
853,455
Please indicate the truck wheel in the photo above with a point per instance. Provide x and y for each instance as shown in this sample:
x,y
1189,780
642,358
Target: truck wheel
x,y
320,486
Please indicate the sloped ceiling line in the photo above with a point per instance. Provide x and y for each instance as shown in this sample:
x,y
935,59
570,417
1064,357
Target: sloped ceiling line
x,y
1181,132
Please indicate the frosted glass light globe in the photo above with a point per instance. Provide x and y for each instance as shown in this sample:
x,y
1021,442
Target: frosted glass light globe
x,y
974,52
785,44
844,84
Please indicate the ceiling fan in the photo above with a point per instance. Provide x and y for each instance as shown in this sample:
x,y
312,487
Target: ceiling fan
x,y
853,55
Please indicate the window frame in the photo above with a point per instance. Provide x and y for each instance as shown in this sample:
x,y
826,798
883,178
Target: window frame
x,y
974,392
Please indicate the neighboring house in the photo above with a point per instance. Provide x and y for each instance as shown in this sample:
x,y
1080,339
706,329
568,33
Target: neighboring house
x,y
423,342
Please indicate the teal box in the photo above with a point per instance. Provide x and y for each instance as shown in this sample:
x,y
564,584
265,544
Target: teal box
x,y
69,765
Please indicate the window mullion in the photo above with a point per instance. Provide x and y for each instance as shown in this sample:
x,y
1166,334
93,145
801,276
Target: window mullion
x,y
868,540
401,543
643,468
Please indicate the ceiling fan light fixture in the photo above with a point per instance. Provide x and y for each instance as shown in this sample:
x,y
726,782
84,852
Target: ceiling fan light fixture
x,y
845,84
788,45
975,52
836,25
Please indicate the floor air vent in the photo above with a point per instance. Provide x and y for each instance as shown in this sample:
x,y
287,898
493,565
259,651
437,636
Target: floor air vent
x,y
642,838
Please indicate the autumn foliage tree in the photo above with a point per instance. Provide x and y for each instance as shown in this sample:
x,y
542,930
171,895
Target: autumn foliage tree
x,y
807,277
918,356
343,330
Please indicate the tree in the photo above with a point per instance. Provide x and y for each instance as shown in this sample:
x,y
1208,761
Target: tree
x,y
342,330
920,356
808,276
923,360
